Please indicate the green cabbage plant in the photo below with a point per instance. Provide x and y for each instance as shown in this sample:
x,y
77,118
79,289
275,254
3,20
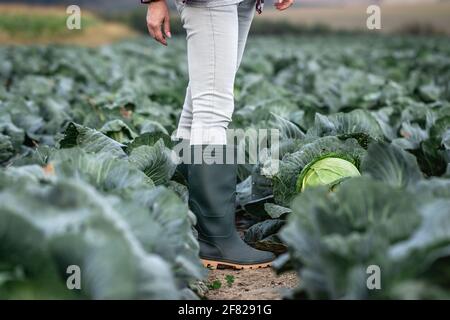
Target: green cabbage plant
x,y
326,171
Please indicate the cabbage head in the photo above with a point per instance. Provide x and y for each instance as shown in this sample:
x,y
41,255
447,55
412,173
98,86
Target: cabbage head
x,y
326,171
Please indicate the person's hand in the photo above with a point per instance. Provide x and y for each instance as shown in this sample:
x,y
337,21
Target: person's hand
x,y
283,4
158,20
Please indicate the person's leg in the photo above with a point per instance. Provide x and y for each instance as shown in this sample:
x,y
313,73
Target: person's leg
x,y
246,12
212,38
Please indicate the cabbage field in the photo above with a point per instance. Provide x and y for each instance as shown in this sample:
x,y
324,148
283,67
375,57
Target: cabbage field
x,y
87,177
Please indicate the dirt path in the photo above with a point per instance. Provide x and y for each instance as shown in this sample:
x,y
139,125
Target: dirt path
x,y
260,284
97,33
353,17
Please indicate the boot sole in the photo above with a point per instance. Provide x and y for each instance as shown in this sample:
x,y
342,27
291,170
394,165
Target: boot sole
x,y
211,264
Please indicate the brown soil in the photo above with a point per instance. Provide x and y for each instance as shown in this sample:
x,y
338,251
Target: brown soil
x,y
102,34
94,36
98,34
259,284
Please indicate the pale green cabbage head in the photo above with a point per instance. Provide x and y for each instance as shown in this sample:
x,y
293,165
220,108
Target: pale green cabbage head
x,y
326,172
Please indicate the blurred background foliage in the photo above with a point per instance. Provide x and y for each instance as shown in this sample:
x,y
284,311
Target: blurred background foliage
x,y
43,21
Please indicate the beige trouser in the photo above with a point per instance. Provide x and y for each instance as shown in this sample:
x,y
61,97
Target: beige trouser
x,y
216,38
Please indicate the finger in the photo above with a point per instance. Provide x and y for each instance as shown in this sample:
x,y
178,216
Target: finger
x,y
167,27
289,3
155,31
159,36
284,5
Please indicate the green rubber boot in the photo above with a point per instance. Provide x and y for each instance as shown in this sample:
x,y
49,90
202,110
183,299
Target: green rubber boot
x,y
212,195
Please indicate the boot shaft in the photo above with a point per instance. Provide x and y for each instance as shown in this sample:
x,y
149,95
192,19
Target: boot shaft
x,y
212,191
